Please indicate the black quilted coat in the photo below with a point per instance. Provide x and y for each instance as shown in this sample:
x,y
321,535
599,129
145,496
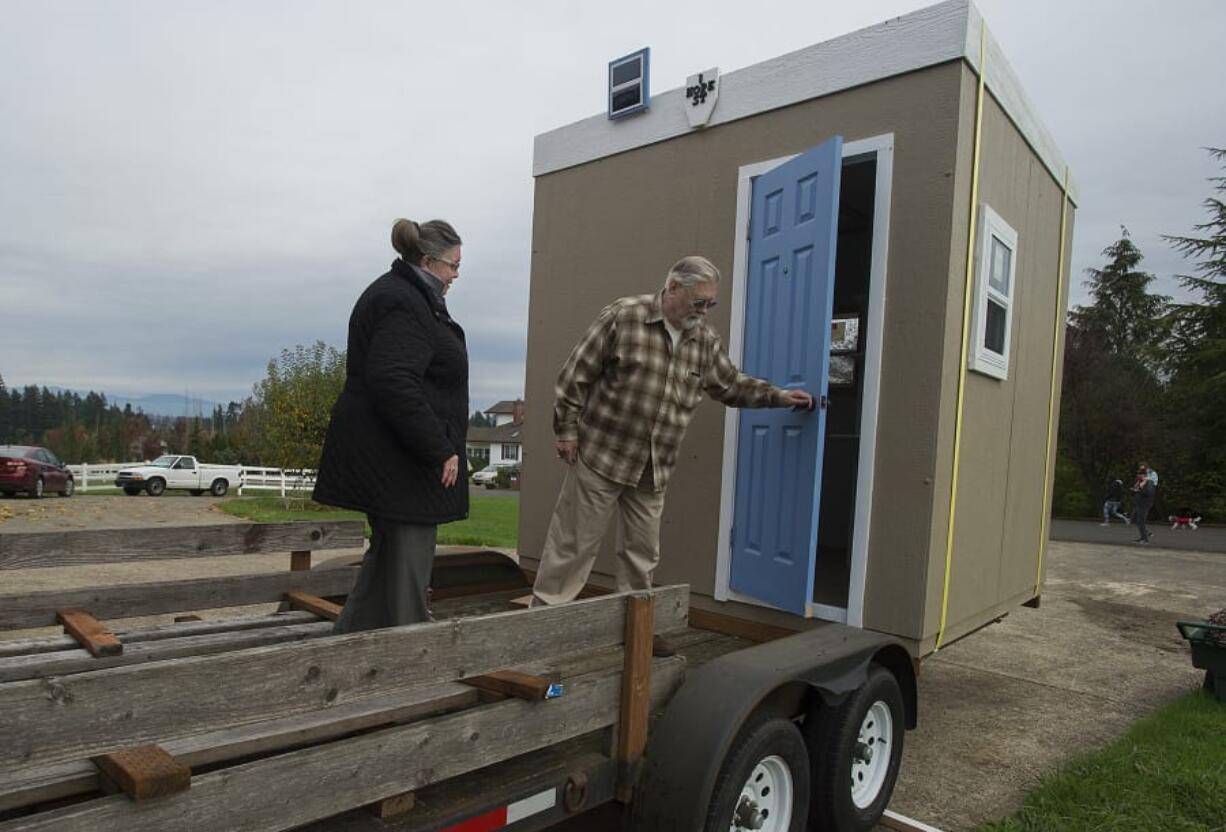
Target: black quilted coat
x,y
404,409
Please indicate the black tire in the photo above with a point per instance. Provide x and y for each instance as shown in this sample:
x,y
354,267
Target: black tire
x,y
37,492
130,491
155,487
832,735
1208,685
219,488
763,737
70,488
196,492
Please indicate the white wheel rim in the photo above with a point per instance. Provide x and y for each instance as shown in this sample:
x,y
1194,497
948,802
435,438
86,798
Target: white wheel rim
x,y
766,798
870,760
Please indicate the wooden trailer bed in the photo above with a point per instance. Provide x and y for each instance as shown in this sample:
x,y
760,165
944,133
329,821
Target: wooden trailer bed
x,y
269,722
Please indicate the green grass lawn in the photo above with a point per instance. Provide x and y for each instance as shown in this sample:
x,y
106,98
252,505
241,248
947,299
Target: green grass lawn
x,y
492,520
1167,774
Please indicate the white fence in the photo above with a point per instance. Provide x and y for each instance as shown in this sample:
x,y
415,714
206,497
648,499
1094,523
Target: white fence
x,y
102,477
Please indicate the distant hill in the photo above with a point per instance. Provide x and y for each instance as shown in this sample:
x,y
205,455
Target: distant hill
x,y
165,404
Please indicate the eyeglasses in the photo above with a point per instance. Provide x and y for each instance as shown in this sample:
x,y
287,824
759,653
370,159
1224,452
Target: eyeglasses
x,y
702,303
454,266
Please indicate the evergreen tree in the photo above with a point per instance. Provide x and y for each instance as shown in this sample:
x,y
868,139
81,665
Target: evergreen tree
x,y
1110,406
1197,360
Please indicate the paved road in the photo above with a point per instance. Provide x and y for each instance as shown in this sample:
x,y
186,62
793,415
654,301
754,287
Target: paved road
x,y
1204,539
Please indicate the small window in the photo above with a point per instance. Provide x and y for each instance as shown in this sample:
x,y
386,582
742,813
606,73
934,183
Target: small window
x,y
628,84
510,452
995,273
186,464
479,453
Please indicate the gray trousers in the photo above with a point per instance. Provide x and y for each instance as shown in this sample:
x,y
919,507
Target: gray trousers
x,y
392,585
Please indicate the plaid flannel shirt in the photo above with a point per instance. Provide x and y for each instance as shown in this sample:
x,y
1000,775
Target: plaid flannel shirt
x,y
627,397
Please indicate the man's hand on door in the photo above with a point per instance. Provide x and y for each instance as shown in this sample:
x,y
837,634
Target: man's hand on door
x,y
799,399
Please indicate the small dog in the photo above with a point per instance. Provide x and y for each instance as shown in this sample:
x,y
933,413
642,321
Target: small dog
x,y
1183,521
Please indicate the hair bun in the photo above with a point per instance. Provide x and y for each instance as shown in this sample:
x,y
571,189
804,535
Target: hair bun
x,y
405,234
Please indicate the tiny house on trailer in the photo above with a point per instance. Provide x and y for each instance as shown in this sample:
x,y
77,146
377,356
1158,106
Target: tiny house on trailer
x,y
893,225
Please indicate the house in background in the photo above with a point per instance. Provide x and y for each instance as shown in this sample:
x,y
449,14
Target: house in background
x,y
499,444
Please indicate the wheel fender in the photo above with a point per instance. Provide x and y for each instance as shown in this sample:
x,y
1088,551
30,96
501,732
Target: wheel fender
x,y
689,741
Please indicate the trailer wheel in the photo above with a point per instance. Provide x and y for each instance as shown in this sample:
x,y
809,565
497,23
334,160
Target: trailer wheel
x,y
155,487
219,488
855,750
131,492
764,781
196,492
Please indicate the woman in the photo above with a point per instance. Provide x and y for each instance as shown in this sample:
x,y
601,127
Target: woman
x,y
395,446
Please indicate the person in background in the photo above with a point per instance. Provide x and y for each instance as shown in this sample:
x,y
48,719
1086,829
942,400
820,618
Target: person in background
x,y
1111,502
1145,488
395,445
624,399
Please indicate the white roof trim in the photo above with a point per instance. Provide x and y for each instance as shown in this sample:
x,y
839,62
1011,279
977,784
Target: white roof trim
x,y
945,32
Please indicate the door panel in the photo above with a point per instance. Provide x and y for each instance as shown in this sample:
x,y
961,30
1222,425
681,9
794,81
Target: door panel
x,y
789,297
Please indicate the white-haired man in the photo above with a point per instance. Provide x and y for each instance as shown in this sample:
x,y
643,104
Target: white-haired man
x,y
623,401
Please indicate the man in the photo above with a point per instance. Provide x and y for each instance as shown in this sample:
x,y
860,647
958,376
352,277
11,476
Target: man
x,y
1111,502
624,399
1145,487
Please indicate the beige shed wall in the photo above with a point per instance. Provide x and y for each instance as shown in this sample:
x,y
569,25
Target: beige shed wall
x,y
1000,509
612,227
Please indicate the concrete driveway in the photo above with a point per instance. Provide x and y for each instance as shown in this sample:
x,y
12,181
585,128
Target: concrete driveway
x,y
1005,706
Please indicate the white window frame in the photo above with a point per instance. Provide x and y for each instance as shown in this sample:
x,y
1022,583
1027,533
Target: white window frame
x,y
981,359
513,449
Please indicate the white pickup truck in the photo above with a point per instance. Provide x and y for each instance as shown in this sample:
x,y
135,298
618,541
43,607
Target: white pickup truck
x,y
180,472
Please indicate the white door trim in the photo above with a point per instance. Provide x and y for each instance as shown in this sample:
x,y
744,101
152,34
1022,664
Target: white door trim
x,y
883,147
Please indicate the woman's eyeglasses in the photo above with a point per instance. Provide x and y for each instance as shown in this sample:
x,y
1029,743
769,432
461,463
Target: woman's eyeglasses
x,y
455,266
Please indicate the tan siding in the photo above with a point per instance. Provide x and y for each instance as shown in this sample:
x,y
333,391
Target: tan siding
x,y
1000,489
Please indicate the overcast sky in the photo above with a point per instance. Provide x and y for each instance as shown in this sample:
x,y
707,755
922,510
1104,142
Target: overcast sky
x,y
188,188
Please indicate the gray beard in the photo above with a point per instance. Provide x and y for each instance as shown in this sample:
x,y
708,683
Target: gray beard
x,y
691,322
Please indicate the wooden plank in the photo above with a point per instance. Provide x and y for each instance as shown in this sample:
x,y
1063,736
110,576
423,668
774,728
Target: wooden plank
x,y
635,709
321,781
446,804
299,561
740,627
37,550
89,632
524,686
299,600
43,665
65,780
50,644
144,772
80,777
37,609
52,720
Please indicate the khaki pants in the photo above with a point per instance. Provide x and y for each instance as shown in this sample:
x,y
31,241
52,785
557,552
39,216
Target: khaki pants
x,y
578,527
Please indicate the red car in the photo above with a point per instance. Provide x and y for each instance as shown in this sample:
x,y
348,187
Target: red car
x,y
34,471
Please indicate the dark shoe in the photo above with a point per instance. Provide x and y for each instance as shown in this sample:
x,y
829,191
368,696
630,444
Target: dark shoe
x,y
661,647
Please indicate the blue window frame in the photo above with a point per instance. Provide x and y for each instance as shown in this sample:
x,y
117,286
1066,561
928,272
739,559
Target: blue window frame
x,y
629,90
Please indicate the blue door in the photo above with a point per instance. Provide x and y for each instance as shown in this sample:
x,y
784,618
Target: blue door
x,y
789,295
